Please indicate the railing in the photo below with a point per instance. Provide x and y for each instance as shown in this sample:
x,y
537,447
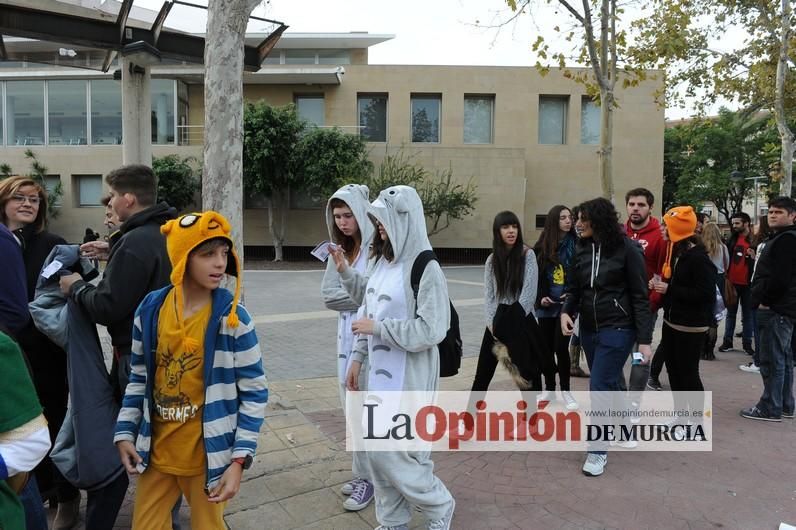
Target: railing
x,y
195,134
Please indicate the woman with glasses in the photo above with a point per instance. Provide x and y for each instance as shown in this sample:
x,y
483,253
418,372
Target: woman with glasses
x,y
23,210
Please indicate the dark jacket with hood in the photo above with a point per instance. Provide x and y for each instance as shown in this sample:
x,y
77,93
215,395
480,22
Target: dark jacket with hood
x,y
138,264
774,279
691,294
13,298
608,287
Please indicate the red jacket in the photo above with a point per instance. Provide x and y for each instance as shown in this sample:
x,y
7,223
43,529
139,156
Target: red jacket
x,y
654,247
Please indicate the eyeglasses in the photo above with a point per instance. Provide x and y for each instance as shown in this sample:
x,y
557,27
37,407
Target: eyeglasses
x,y
33,200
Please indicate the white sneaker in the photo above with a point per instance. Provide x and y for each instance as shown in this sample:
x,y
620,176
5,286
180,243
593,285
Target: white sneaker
x,y
594,464
750,367
546,395
571,404
626,444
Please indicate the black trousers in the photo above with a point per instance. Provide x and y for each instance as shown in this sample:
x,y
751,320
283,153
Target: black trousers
x,y
556,355
103,505
683,351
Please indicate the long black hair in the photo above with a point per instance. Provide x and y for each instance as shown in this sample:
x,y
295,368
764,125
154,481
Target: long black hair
x,y
508,265
604,222
547,247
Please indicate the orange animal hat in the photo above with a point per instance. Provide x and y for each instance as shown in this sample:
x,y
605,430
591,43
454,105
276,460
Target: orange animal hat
x,y
182,236
681,222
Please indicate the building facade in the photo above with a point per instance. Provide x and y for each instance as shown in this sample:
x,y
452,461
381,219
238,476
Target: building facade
x,y
527,141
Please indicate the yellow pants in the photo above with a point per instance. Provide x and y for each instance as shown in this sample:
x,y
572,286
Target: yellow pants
x,y
155,496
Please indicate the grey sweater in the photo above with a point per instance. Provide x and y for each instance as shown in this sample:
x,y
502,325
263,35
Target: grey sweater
x,y
527,296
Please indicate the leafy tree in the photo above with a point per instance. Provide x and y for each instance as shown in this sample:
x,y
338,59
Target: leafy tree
x,y
38,173
701,156
280,153
177,183
752,70
443,199
599,43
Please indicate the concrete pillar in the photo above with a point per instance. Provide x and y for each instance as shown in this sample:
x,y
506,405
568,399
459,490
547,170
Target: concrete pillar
x,y
162,115
136,114
11,129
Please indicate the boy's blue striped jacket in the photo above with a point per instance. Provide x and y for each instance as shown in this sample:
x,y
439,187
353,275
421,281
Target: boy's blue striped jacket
x,y
236,391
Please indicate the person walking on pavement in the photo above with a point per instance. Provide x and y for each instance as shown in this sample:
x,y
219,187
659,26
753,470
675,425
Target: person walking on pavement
x,y
774,291
555,251
609,290
742,260
350,229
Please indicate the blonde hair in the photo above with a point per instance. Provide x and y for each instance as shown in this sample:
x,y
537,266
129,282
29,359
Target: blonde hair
x,y
711,237
11,186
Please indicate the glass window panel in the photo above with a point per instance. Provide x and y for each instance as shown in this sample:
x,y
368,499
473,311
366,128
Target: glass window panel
x,y
300,56
478,119
66,112
425,118
89,190
372,112
589,122
275,57
25,111
334,57
552,119
106,112
162,91
311,109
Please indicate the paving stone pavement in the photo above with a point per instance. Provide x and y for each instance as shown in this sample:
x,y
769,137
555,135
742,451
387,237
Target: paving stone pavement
x,y
746,482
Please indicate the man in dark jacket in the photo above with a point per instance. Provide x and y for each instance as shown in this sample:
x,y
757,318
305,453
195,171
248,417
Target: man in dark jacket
x,y
137,263
774,292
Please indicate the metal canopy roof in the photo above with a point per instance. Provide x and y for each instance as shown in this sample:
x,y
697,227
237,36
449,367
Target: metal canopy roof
x,y
90,38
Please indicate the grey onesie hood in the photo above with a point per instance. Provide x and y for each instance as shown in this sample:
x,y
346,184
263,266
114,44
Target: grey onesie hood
x,y
356,197
400,210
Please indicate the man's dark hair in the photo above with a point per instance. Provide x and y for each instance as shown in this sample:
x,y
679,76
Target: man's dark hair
x,y
641,192
105,200
136,179
786,203
743,216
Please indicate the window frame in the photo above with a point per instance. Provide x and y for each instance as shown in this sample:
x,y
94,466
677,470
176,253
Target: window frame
x,y
564,129
491,98
425,95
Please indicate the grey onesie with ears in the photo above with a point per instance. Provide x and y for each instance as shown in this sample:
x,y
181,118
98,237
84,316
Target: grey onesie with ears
x,y
402,352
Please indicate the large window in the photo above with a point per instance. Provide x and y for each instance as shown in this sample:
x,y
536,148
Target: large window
x,y
162,91
589,121
334,57
25,111
553,119
299,56
66,112
478,119
425,118
89,189
372,112
311,109
182,113
106,112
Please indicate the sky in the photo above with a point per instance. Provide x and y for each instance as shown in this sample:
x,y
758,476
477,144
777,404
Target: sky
x,y
444,32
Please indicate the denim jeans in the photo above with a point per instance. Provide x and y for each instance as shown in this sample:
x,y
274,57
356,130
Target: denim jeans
x,y
35,516
776,362
606,353
747,318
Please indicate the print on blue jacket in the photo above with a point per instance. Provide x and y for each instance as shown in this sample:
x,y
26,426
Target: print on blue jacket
x,y
236,391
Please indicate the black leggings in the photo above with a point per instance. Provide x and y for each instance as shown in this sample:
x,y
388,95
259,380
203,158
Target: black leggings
x,y
556,354
683,351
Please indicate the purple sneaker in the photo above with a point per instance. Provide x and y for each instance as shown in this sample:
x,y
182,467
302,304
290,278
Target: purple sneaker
x,y
360,497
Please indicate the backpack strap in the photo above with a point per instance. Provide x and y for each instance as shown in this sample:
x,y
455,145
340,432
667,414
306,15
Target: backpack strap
x,y
419,267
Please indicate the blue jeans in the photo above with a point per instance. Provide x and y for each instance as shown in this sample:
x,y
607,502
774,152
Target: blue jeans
x,y
747,318
606,353
776,362
35,516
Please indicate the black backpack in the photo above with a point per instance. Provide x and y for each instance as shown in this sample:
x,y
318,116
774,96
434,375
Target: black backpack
x,y
450,349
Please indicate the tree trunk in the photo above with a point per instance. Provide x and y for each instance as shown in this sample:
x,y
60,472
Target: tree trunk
x,y
277,208
222,178
606,143
786,135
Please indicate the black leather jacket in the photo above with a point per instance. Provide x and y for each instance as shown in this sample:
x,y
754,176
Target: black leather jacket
x,y
609,288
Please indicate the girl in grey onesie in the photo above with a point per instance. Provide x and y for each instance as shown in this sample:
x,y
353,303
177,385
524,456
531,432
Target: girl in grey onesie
x,y
399,337
351,230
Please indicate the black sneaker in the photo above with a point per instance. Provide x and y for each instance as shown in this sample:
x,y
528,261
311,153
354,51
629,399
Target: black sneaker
x,y
725,346
748,349
754,413
654,384
788,415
